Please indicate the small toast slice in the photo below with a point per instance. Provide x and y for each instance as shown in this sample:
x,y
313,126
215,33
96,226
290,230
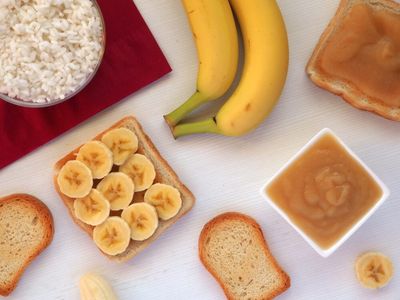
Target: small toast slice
x,y
372,90
233,249
164,174
26,229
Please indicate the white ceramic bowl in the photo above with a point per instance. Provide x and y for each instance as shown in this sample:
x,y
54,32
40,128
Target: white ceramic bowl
x,y
334,247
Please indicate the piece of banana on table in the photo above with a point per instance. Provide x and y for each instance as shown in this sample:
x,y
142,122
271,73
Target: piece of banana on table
x,y
142,219
374,270
112,236
141,170
75,179
165,198
95,287
97,157
92,209
122,142
118,188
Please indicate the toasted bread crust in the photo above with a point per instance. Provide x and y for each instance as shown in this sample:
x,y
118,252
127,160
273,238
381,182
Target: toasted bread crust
x,y
47,221
342,88
164,174
206,231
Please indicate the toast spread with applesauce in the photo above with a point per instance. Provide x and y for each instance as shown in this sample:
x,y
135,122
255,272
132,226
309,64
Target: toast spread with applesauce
x,y
358,58
123,212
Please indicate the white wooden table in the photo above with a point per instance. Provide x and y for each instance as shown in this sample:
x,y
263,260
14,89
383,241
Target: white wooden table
x,y
225,174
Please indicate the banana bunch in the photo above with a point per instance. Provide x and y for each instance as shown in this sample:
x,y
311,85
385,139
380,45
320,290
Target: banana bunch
x,y
264,71
93,204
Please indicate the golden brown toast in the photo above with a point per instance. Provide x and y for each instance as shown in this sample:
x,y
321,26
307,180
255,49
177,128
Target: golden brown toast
x,y
369,90
26,229
164,174
233,249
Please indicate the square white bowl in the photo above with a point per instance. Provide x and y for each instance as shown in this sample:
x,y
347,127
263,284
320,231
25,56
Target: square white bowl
x,y
334,247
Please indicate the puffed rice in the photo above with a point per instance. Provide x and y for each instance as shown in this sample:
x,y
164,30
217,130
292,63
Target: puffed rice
x,y
48,48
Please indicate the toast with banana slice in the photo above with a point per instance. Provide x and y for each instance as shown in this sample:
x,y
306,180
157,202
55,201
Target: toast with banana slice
x,y
102,181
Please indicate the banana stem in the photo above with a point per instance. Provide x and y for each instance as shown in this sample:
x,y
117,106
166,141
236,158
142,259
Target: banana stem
x,y
205,126
191,104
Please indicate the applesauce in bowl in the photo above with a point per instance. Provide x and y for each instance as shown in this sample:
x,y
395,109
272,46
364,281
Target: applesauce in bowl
x,y
325,192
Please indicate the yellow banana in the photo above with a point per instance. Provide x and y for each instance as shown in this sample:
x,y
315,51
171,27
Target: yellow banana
x,y
215,34
264,72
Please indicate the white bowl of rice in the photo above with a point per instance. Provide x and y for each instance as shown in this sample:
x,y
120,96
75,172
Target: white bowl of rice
x,y
49,49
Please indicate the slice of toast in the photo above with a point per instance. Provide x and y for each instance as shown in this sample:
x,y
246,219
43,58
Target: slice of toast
x,y
164,174
233,249
361,96
26,229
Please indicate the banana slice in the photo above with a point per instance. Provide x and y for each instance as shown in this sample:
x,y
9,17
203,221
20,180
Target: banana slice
x,y
92,209
374,270
75,179
142,219
118,189
112,236
165,198
94,287
122,141
97,157
141,170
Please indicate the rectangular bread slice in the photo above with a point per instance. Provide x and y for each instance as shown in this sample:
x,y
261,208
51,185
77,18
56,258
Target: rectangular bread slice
x,y
164,174
345,88
26,229
233,249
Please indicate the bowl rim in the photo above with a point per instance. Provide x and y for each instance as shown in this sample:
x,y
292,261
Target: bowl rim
x,y
31,104
328,251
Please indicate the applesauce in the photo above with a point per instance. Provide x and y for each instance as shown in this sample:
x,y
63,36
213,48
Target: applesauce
x,y
365,51
325,191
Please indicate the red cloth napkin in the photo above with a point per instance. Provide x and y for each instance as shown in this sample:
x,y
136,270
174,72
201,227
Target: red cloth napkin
x,y
132,60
